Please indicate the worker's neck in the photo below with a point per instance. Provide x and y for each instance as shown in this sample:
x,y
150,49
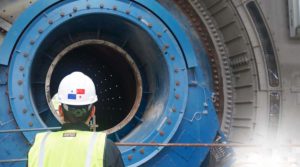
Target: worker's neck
x,y
75,126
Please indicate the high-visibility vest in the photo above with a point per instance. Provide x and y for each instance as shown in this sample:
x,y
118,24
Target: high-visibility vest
x,y
69,148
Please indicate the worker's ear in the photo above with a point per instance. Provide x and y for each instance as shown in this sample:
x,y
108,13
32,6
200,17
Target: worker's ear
x,y
91,114
93,111
60,112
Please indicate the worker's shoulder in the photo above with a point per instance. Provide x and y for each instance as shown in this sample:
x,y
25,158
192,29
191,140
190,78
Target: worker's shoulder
x,y
108,141
109,144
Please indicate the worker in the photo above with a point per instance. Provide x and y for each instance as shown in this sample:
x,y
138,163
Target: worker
x,y
74,145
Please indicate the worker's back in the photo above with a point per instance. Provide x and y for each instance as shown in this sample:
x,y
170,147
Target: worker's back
x,y
68,148
74,145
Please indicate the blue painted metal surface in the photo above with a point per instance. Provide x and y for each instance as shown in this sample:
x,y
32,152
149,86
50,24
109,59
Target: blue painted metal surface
x,y
176,29
188,114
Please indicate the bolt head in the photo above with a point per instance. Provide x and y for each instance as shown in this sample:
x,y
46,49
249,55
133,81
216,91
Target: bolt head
x,y
20,82
50,21
21,68
32,42
21,97
41,31
25,54
173,109
142,151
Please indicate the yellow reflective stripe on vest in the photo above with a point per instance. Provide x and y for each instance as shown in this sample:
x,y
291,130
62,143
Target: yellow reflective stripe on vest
x,y
68,148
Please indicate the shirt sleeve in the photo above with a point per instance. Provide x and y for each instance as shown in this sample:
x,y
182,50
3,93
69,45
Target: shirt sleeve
x,y
112,155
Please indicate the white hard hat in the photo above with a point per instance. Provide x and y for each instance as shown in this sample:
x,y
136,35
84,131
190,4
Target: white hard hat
x,y
77,89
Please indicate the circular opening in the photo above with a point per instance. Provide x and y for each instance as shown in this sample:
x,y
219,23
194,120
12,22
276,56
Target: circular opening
x,y
116,77
117,47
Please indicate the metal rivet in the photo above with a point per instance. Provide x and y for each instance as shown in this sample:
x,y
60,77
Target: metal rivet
x,y
62,14
177,96
142,151
24,110
30,124
101,5
114,7
159,35
130,157
21,97
50,21
169,122
75,9
88,6
40,30
149,25
172,58
161,133
25,54
133,150
140,17
21,68
32,42
32,114
127,11
166,46
177,83
173,109
176,70
20,82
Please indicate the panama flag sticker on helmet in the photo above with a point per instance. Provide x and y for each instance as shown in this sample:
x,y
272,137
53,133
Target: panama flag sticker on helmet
x,y
73,96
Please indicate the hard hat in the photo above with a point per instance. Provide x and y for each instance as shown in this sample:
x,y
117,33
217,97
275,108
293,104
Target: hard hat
x,y
77,89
